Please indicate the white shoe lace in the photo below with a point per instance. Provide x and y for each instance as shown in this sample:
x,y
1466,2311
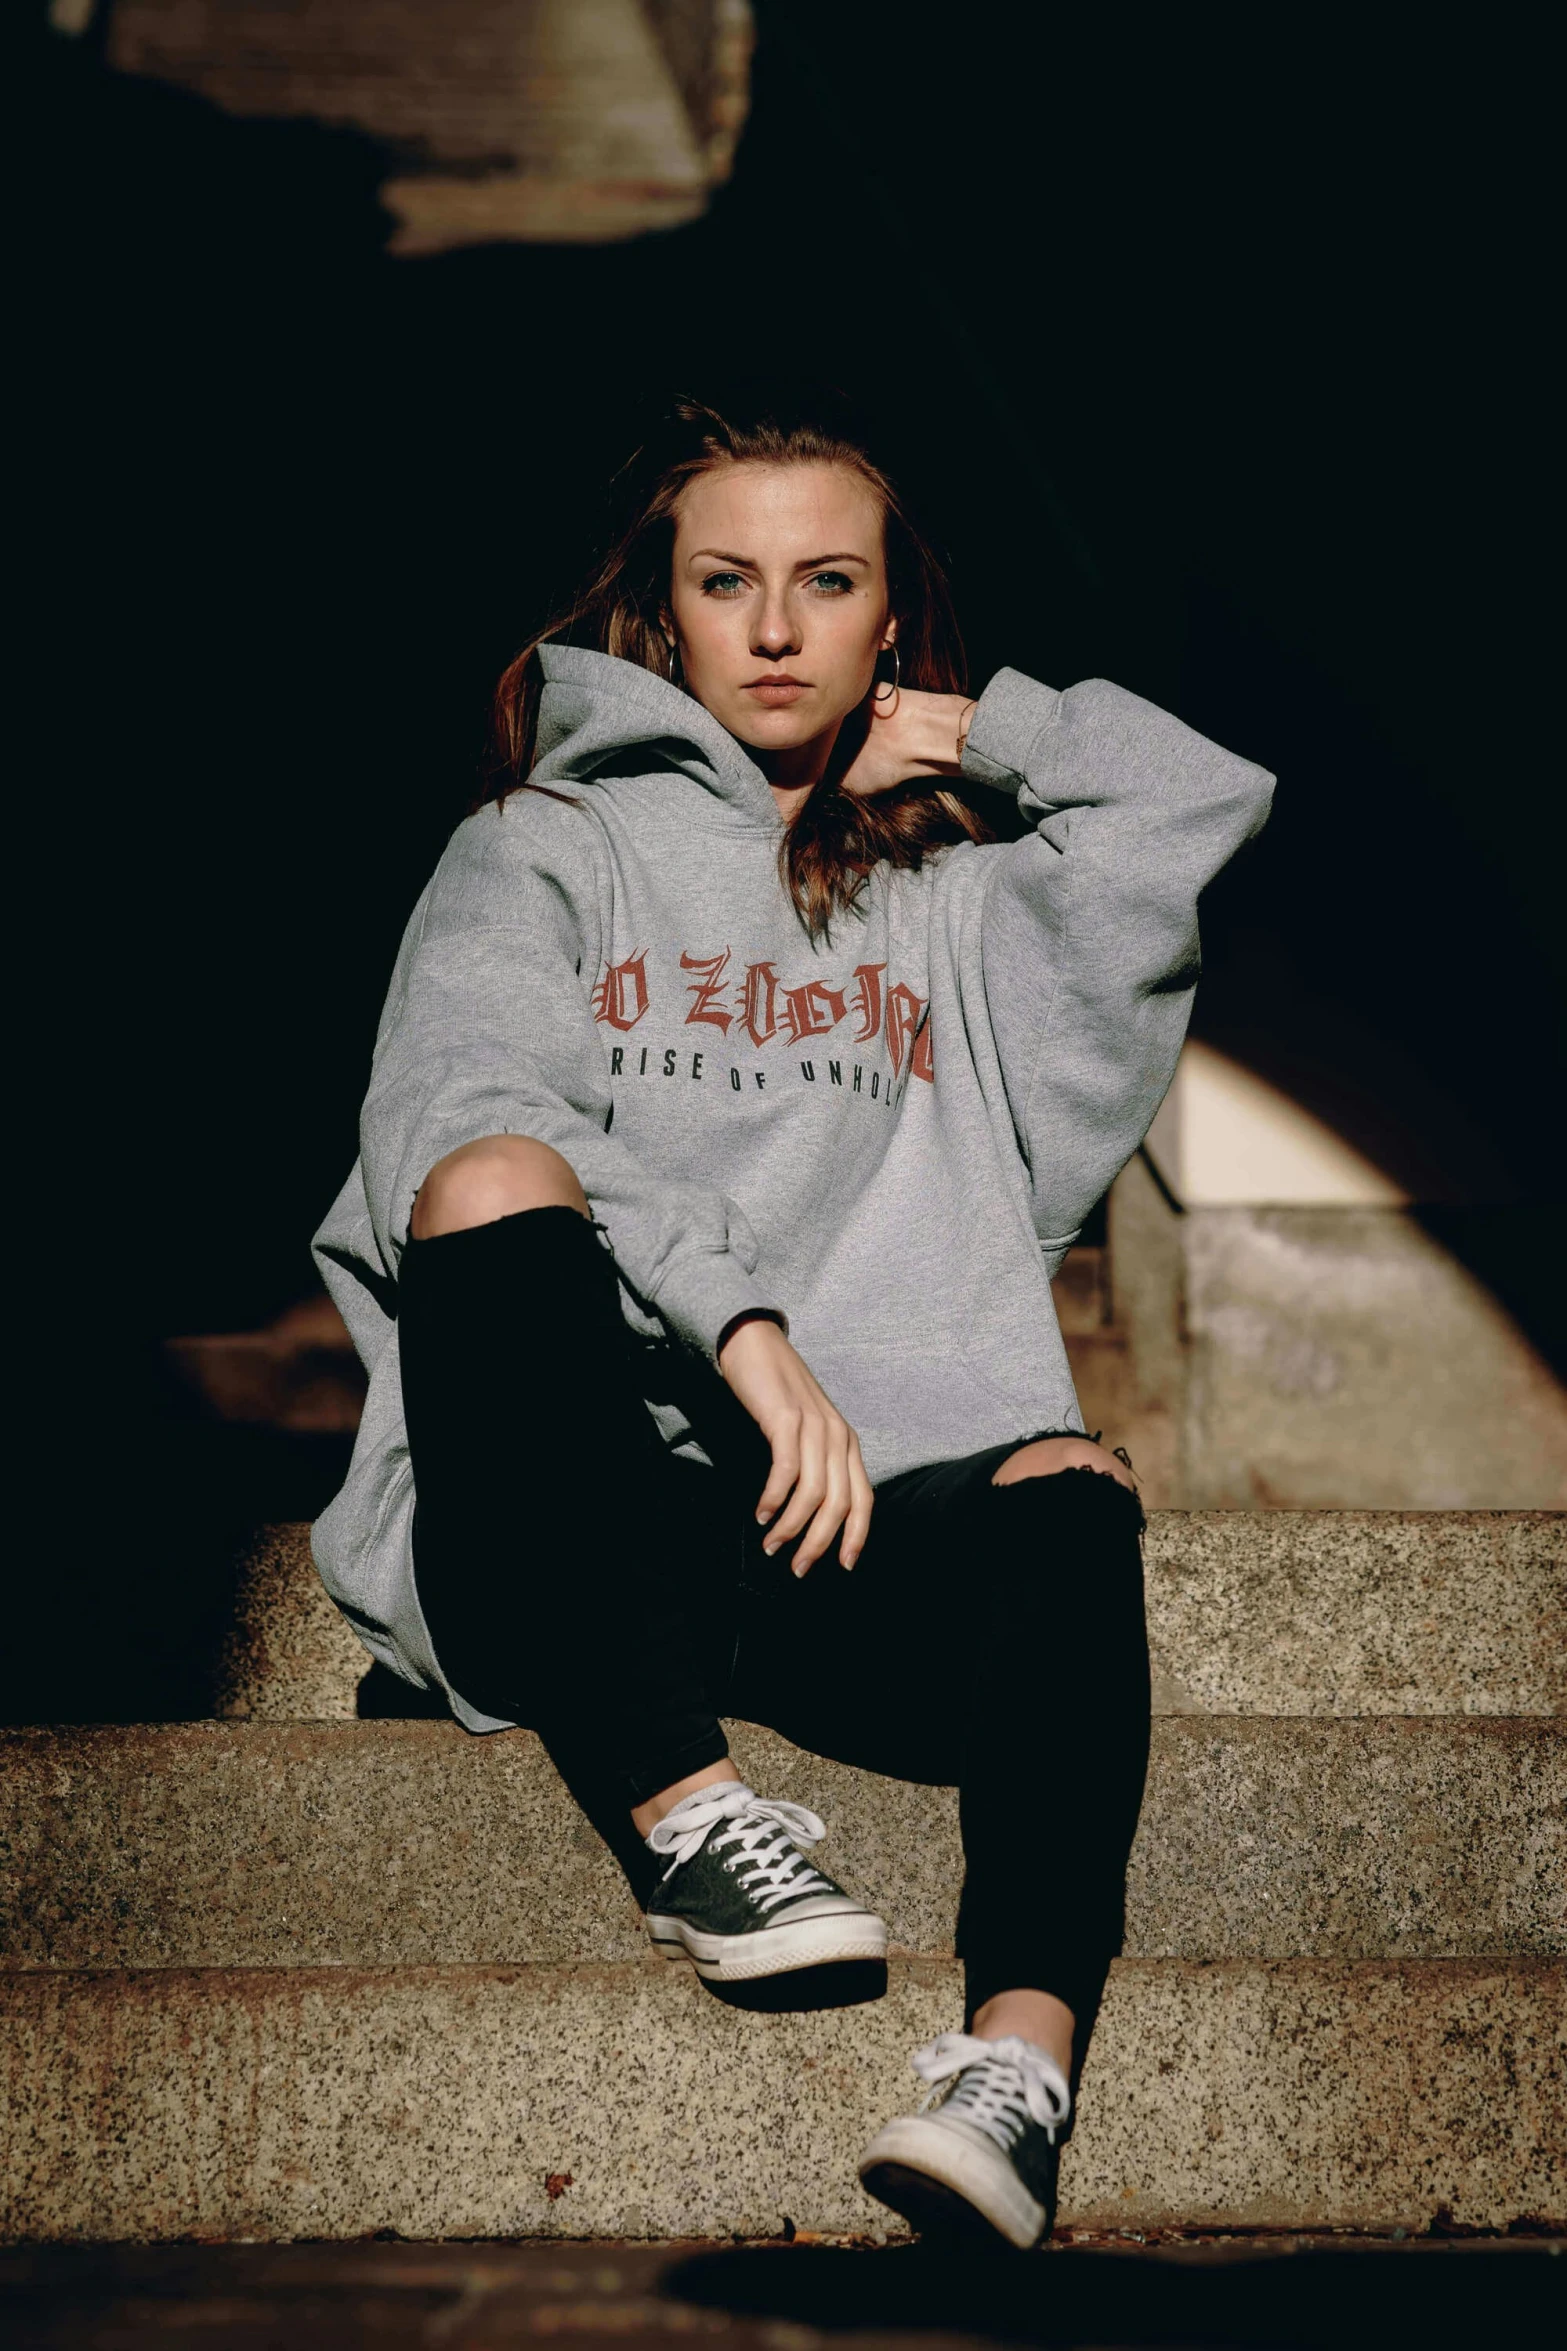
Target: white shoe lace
x,y
1003,2085
765,1836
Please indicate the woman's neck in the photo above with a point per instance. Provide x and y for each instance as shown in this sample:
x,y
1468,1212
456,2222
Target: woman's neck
x,y
795,773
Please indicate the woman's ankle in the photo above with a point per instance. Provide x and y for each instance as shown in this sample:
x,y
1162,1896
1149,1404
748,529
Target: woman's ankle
x,y
1038,2017
647,1816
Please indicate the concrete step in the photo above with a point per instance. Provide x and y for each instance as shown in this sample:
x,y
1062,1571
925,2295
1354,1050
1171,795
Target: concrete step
x,y
624,2100
1286,1612
392,1843
290,1974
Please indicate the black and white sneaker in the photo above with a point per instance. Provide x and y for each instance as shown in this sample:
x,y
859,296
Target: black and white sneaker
x,y
982,2152
741,1900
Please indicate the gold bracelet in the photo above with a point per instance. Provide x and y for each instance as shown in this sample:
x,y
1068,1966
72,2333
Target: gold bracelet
x,y
964,723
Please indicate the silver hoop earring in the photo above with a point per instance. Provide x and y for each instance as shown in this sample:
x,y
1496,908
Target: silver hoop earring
x,y
897,677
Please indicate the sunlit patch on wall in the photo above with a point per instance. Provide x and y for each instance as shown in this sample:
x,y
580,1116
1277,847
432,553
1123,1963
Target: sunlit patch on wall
x,y
1225,1137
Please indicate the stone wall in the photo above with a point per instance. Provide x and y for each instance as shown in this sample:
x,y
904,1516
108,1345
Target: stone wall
x,y
563,121
1310,1358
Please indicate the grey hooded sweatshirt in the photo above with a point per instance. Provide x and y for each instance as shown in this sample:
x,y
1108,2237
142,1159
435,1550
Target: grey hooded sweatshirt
x,y
891,1137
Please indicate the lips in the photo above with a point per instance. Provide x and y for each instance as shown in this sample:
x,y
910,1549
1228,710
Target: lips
x,y
777,691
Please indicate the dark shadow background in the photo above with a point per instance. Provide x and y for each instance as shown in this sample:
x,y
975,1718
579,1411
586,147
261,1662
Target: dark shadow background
x,y
1214,347
1227,2297
1291,2293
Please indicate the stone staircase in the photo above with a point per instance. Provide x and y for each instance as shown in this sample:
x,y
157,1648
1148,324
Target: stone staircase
x,y
291,1974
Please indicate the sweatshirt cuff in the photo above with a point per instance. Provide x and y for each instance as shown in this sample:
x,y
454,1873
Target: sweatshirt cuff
x,y
703,1291
1012,713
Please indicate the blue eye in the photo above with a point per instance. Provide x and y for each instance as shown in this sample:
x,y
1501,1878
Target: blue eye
x,y
832,583
722,583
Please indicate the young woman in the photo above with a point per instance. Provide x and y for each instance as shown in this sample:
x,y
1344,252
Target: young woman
x,y
735,1100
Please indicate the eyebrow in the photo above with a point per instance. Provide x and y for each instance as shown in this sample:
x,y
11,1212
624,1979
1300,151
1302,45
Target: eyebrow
x,y
745,562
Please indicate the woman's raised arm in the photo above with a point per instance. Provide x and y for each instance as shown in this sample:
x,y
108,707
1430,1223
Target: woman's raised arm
x,y
1089,923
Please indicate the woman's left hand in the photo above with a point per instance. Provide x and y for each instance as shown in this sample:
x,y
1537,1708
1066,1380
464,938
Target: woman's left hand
x,y
909,734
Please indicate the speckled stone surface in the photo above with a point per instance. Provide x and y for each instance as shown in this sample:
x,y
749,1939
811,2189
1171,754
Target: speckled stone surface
x,y
290,1655
438,2103
367,1844
1250,1612
1334,1612
1403,1838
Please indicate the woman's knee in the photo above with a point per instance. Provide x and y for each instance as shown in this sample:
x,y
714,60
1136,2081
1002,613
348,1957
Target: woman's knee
x,y
499,1175
1048,1456
1063,1532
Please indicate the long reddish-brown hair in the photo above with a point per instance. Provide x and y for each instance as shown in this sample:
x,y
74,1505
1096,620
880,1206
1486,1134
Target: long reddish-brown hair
x,y
835,837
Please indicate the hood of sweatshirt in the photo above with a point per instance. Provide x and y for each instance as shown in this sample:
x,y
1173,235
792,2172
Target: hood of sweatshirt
x,y
598,713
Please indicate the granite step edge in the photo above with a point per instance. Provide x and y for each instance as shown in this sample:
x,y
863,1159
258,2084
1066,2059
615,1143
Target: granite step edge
x,y
412,1843
1250,1612
626,2101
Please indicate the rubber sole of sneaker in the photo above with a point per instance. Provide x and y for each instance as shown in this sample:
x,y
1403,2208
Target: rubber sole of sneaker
x,y
944,2187
739,1959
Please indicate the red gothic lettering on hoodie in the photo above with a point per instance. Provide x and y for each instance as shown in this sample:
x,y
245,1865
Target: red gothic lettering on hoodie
x,y
805,1007
903,1019
758,1003
624,984
867,1000
812,1010
709,987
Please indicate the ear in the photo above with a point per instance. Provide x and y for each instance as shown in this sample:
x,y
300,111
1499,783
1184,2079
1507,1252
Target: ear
x,y
889,634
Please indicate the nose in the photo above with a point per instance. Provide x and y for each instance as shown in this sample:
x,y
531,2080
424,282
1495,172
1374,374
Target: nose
x,y
775,631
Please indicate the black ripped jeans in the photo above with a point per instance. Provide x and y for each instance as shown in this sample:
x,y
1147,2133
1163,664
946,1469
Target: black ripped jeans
x,y
579,1578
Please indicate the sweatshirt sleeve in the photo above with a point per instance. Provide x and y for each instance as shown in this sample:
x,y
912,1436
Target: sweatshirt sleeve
x,y
1088,931
489,1029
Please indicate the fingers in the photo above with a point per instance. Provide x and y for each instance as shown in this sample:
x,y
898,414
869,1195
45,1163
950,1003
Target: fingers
x,y
816,1482
810,1486
862,1498
784,1437
831,1491
834,1509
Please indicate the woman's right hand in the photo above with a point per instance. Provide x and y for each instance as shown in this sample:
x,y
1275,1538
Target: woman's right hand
x,y
817,1468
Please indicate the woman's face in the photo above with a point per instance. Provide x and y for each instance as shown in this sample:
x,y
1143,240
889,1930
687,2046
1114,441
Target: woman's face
x,y
778,599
